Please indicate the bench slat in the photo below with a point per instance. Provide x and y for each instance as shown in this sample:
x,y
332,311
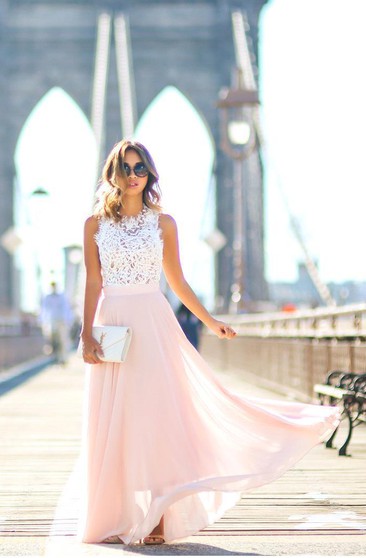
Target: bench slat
x,y
332,391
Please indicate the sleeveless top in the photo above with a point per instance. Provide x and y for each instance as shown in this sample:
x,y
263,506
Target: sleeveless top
x,y
130,250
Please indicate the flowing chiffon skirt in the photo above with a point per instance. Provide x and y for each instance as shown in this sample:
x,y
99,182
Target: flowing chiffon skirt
x,y
163,437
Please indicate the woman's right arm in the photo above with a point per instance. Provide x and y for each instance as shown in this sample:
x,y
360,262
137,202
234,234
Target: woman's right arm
x,y
93,287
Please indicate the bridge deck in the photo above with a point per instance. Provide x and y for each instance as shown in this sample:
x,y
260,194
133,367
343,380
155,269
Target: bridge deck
x,y
321,500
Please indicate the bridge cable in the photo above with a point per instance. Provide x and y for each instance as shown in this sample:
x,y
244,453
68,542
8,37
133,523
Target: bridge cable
x,y
100,82
127,97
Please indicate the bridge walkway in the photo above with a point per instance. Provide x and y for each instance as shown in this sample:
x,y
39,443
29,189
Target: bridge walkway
x,y
315,508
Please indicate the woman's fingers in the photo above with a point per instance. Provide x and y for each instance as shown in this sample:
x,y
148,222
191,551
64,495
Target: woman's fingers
x,y
92,353
228,331
92,358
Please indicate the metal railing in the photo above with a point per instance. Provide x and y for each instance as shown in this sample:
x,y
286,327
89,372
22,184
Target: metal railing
x,y
20,340
290,352
16,326
347,321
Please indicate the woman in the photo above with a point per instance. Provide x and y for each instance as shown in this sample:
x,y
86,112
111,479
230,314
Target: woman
x,y
168,449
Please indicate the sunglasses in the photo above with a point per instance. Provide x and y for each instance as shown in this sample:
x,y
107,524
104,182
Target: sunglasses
x,y
139,169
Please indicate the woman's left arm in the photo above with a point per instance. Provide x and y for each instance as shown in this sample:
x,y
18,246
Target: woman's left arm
x,y
177,282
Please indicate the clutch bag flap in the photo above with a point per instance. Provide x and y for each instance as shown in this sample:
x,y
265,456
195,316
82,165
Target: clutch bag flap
x,y
115,342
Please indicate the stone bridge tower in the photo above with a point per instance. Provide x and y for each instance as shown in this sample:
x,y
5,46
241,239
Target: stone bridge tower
x,y
47,44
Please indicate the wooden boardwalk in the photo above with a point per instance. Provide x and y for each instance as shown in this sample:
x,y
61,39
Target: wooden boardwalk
x,y
40,424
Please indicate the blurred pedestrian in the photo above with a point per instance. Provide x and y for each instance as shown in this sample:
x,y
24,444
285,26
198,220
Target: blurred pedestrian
x,y
190,324
57,318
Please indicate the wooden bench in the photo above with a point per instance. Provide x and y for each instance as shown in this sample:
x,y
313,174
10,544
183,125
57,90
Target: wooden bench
x,y
348,390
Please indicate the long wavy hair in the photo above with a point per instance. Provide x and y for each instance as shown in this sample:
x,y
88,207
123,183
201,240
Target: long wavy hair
x,y
113,181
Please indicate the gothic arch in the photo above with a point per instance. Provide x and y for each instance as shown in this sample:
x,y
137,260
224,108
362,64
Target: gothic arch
x,y
56,152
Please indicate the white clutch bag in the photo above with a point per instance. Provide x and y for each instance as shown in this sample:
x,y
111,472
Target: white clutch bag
x,y
115,341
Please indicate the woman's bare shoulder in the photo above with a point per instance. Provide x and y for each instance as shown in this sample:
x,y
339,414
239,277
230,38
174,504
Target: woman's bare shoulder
x,y
92,224
167,222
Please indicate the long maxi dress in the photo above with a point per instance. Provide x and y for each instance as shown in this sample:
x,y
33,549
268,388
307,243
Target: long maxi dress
x,y
161,435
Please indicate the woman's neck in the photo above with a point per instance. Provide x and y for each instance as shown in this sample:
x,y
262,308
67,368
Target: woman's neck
x,y
132,207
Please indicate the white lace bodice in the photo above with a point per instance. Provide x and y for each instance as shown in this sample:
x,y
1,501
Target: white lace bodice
x,y
131,250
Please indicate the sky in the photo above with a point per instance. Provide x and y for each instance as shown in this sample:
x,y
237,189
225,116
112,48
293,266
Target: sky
x,y
313,117
313,93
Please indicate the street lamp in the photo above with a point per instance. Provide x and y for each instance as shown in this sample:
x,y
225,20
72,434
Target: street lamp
x,y
40,192
238,141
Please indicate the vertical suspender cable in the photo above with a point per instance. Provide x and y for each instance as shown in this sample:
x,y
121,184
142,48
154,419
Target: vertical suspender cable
x,y
125,75
100,81
97,116
242,53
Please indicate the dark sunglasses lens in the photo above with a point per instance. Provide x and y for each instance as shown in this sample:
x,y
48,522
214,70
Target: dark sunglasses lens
x,y
140,170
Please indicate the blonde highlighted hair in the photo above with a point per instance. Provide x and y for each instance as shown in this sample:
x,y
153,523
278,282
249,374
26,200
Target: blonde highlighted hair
x,y
111,190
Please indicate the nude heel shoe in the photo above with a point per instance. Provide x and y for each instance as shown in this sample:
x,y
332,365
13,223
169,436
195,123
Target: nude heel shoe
x,y
114,539
154,539
157,538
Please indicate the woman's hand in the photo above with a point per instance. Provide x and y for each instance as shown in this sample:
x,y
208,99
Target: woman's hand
x,y
91,350
222,330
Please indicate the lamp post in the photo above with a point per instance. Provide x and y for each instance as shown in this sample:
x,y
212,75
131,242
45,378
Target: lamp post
x,y
38,201
73,256
238,141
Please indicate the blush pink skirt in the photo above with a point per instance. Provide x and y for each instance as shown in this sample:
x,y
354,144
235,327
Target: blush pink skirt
x,y
163,437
